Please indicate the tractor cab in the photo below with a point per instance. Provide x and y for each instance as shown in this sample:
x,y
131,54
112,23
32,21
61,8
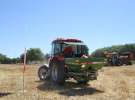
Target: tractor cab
x,y
69,48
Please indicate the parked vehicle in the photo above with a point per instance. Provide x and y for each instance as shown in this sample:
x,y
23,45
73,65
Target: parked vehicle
x,y
116,59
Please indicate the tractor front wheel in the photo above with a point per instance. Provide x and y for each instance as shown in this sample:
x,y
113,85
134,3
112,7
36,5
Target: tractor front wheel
x,y
43,73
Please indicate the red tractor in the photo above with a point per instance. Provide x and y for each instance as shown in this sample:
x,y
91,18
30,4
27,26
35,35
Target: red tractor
x,y
69,59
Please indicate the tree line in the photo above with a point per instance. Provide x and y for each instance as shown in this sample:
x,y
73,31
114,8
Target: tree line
x,y
33,55
117,48
6,60
36,55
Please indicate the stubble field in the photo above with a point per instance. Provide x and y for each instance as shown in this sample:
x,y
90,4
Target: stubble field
x,y
113,83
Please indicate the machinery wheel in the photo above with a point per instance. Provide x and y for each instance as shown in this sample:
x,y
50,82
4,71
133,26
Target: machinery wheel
x,y
58,72
43,73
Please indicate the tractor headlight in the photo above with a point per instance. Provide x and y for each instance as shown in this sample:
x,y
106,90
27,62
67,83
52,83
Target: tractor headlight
x,y
83,66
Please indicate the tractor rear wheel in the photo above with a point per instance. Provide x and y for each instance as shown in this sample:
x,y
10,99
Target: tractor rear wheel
x,y
58,72
43,73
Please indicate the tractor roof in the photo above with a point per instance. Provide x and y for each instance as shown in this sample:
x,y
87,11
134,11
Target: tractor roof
x,y
74,43
61,40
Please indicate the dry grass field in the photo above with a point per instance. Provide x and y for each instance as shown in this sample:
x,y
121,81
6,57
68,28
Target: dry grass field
x,y
113,83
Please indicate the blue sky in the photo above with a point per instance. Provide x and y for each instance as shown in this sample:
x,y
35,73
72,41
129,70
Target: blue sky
x,y
35,23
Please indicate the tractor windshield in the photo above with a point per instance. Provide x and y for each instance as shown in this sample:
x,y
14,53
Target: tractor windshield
x,y
70,49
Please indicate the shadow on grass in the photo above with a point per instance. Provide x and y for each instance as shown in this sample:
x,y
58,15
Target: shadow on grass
x,y
69,89
5,94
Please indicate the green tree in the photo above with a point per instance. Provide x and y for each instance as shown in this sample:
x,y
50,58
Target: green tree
x,y
33,54
5,60
15,60
2,58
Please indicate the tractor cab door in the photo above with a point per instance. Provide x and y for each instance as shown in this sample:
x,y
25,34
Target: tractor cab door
x,y
56,49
